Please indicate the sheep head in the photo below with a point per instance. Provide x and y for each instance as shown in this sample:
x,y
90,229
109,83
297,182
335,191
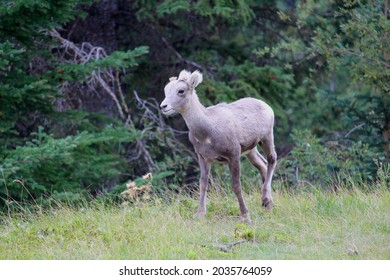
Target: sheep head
x,y
179,91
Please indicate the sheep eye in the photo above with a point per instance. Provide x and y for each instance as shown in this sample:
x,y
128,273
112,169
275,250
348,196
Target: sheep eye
x,y
181,91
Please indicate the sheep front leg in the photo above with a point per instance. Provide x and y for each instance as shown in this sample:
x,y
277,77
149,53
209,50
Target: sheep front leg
x,y
203,182
234,166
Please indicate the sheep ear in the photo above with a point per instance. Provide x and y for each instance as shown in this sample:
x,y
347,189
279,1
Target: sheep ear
x,y
184,75
195,79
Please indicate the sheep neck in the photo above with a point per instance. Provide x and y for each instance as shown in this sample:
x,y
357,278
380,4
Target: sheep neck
x,y
196,119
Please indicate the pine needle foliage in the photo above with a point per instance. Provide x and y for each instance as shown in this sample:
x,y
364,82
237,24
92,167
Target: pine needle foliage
x,y
43,152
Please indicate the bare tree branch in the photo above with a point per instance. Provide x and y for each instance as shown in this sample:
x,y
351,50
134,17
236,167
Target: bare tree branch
x,y
361,56
107,78
355,128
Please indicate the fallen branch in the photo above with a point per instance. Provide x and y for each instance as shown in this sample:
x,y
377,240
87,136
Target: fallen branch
x,y
224,248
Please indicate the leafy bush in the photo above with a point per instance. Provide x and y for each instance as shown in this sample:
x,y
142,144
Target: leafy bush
x,y
313,161
48,166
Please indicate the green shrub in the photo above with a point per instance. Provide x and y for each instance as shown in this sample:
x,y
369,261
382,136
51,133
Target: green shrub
x,y
315,162
48,166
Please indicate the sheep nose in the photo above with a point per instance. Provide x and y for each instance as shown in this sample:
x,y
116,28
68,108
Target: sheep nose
x,y
163,106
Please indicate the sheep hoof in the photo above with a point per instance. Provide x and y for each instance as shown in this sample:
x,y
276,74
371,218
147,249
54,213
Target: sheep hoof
x,y
245,218
267,204
200,215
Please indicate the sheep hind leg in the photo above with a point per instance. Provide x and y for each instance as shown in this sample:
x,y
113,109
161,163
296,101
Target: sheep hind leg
x,y
258,161
269,150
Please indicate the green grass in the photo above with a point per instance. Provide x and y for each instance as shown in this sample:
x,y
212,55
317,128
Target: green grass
x,y
310,225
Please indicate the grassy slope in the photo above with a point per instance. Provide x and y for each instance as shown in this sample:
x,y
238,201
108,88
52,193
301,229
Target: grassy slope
x,y
303,226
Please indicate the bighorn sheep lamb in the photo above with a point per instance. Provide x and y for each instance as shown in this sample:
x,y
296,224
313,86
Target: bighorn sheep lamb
x,y
224,132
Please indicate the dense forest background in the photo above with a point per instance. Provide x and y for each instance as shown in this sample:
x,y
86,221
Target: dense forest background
x,y
81,83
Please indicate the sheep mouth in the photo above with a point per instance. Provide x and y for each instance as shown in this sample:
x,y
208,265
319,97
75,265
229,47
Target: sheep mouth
x,y
168,112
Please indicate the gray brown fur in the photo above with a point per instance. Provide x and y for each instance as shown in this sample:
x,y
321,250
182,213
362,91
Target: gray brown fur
x,y
224,132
